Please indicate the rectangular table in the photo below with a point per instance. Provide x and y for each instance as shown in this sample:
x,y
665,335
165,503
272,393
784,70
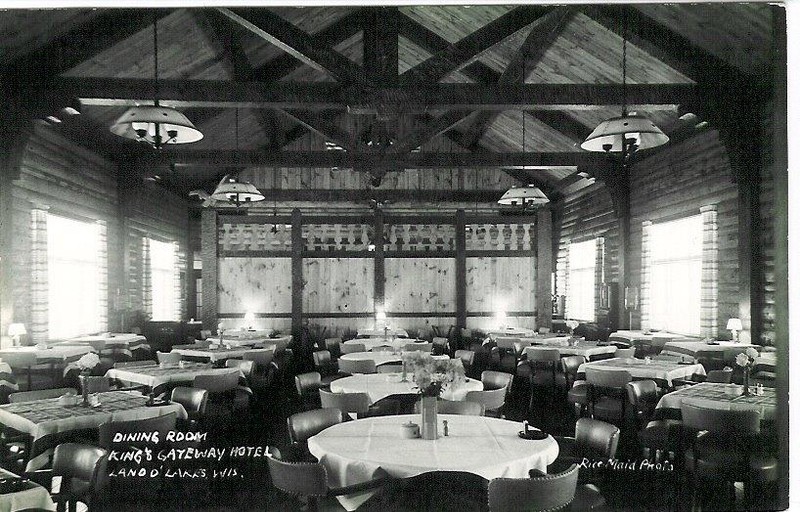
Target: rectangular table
x,y
242,342
46,421
51,354
713,395
691,348
587,349
657,339
156,376
663,372
218,354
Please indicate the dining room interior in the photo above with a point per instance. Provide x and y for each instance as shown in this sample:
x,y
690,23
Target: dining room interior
x,y
479,257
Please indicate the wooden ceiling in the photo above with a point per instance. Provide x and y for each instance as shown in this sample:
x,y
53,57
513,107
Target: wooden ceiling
x,y
445,82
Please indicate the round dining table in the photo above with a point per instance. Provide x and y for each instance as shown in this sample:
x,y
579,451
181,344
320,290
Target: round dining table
x,y
358,451
379,357
381,385
371,343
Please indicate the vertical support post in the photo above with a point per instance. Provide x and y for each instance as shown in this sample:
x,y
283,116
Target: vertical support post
x,y
461,269
297,275
380,271
618,186
544,267
209,243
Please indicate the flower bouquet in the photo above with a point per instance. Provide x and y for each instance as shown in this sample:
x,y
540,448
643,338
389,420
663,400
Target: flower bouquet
x,y
747,361
431,376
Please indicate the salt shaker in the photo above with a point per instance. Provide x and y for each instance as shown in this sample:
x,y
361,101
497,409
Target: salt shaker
x,y
525,427
446,430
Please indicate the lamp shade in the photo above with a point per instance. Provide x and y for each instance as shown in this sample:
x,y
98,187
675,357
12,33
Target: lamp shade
x,y
249,318
524,196
17,330
235,191
156,125
611,134
734,324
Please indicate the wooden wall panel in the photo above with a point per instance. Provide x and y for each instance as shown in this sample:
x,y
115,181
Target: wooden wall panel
x,y
767,232
495,284
260,285
338,285
486,323
420,285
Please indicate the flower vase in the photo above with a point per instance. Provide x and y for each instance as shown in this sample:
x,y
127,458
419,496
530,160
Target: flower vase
x,y
429,419
746,383
85,390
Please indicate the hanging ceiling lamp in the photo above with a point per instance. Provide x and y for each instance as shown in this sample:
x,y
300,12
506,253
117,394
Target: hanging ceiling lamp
x,y
231,188
627,133
524,197
156,125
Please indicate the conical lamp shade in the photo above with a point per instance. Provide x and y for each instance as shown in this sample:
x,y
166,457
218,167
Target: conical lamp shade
x,y
156,125
235,191
610,135
524,196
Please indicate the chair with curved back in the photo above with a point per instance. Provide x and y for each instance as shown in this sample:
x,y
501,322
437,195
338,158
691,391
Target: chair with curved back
x,y
541,494
441,345
194,401
26,364
168,357
307,385
349,348
389,368
656,436
493,400
542,359
608,393
418,347
227,400
467,360
594,440
83,474
719,376
725,446
326,366
334,346
302,425
261,358
576,394
492,379
349,403
309,480
464,408
358,366
132,364
243,365
625,353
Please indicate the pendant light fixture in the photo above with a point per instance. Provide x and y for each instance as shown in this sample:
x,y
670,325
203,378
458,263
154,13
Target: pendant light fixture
x,y
530,196
231,189
627,133
156,125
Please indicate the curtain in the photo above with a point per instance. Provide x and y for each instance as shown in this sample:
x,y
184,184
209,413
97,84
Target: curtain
x,y
102,274
646,278
40,314
176,281
147,279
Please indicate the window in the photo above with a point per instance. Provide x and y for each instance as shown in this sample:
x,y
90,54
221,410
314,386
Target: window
x,y
73,272
675,267
581,285
163,273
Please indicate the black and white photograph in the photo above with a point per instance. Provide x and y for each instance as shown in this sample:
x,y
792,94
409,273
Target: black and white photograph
x,y
336,256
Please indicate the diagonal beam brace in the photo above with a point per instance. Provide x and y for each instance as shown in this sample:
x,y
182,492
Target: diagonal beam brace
x,y
453,57
295,42
431,129
322,123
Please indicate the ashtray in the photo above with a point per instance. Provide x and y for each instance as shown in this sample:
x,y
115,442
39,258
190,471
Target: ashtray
x,y
533,435
712,343
157,403
685,362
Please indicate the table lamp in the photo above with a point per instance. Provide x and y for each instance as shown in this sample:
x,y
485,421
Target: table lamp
x,y
15,331
734,325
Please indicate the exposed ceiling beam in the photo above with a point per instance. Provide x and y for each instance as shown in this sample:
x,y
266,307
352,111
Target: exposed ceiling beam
x,y
323,123
528,54
563,123
286,36
394,195
432,128
456,55
319,95
381,45
330,36
347,159
102,31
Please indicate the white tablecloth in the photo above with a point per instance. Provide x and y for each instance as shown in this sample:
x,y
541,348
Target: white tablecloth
x,y
710,394
352,452
513,331
34,497
371,343
379,357
155,376
115,339
219,354
664,371
239,343
586,349
245,334
370,333
690,348
381,385
55,353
